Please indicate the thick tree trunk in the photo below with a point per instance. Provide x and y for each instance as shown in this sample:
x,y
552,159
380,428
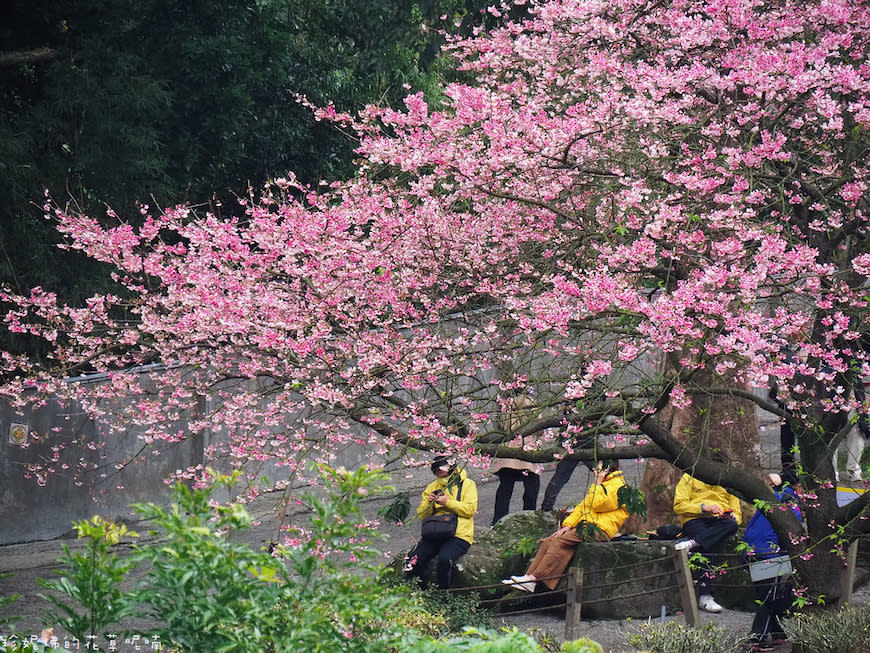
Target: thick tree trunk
x,y
822,569
712,421
822,572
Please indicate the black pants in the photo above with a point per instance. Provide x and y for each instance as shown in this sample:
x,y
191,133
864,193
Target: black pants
x,y
786,439
786,446
710,533
774,599
506,479
564,469
447,553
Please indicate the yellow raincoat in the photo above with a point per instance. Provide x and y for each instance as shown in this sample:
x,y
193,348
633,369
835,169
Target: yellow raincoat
x,y
464,508
691,493
601,506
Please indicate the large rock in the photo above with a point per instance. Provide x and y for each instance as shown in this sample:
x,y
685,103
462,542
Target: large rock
x,y
504,550
626,579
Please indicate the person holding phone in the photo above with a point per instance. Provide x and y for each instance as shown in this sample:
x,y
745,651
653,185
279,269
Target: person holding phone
x,y
709,516
450,492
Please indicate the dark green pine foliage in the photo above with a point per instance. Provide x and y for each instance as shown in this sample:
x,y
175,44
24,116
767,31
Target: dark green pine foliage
x,y
120,103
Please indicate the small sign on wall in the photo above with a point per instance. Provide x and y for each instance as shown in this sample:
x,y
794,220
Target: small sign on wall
x,y
19,434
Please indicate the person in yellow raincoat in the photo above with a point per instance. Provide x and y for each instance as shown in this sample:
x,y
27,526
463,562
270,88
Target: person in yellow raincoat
x,y
451,492
600,509
709,515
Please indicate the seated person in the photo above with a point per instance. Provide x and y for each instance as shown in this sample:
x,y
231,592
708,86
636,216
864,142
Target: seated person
x,y
774,595
451,491
600,509
709,516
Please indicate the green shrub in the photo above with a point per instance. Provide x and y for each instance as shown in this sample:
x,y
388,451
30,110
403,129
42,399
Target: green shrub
x,y
525,546
457,611
548,640
583,645
7,620
672,637
481,641
207,591
87,593
415,618
840,631
213,594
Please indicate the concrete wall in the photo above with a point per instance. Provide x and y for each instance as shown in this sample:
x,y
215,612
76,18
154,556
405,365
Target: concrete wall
x,y
30,511
124,470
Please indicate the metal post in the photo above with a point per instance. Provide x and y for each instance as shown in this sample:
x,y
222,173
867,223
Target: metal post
x,y
687,587
847,578
574,603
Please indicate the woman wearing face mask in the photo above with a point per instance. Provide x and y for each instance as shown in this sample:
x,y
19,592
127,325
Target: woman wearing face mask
x,y
451,492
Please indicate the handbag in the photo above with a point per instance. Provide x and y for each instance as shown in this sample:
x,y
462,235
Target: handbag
x,y
769,568
441,526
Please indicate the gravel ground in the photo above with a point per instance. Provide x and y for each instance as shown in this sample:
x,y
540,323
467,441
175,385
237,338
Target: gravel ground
x,y
612,634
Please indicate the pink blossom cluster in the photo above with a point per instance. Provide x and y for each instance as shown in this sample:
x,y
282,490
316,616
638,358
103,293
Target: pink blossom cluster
x,y
611,181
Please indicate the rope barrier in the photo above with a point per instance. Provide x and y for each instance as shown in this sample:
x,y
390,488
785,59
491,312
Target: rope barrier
x,y
531,610
671,565
617,568
521,597
595,586
634,595
497,585
642,563
586,587
634,579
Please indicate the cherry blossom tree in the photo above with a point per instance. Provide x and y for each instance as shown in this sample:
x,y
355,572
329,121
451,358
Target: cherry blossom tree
x,y
632,207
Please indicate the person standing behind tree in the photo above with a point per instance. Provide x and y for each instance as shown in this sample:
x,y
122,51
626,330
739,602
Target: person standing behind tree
x,y
521,410
451,492
565,467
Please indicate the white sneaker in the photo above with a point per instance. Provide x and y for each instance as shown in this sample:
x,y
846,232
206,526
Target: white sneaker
x,y
707,604
684,544
855,477
523,583
523,579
